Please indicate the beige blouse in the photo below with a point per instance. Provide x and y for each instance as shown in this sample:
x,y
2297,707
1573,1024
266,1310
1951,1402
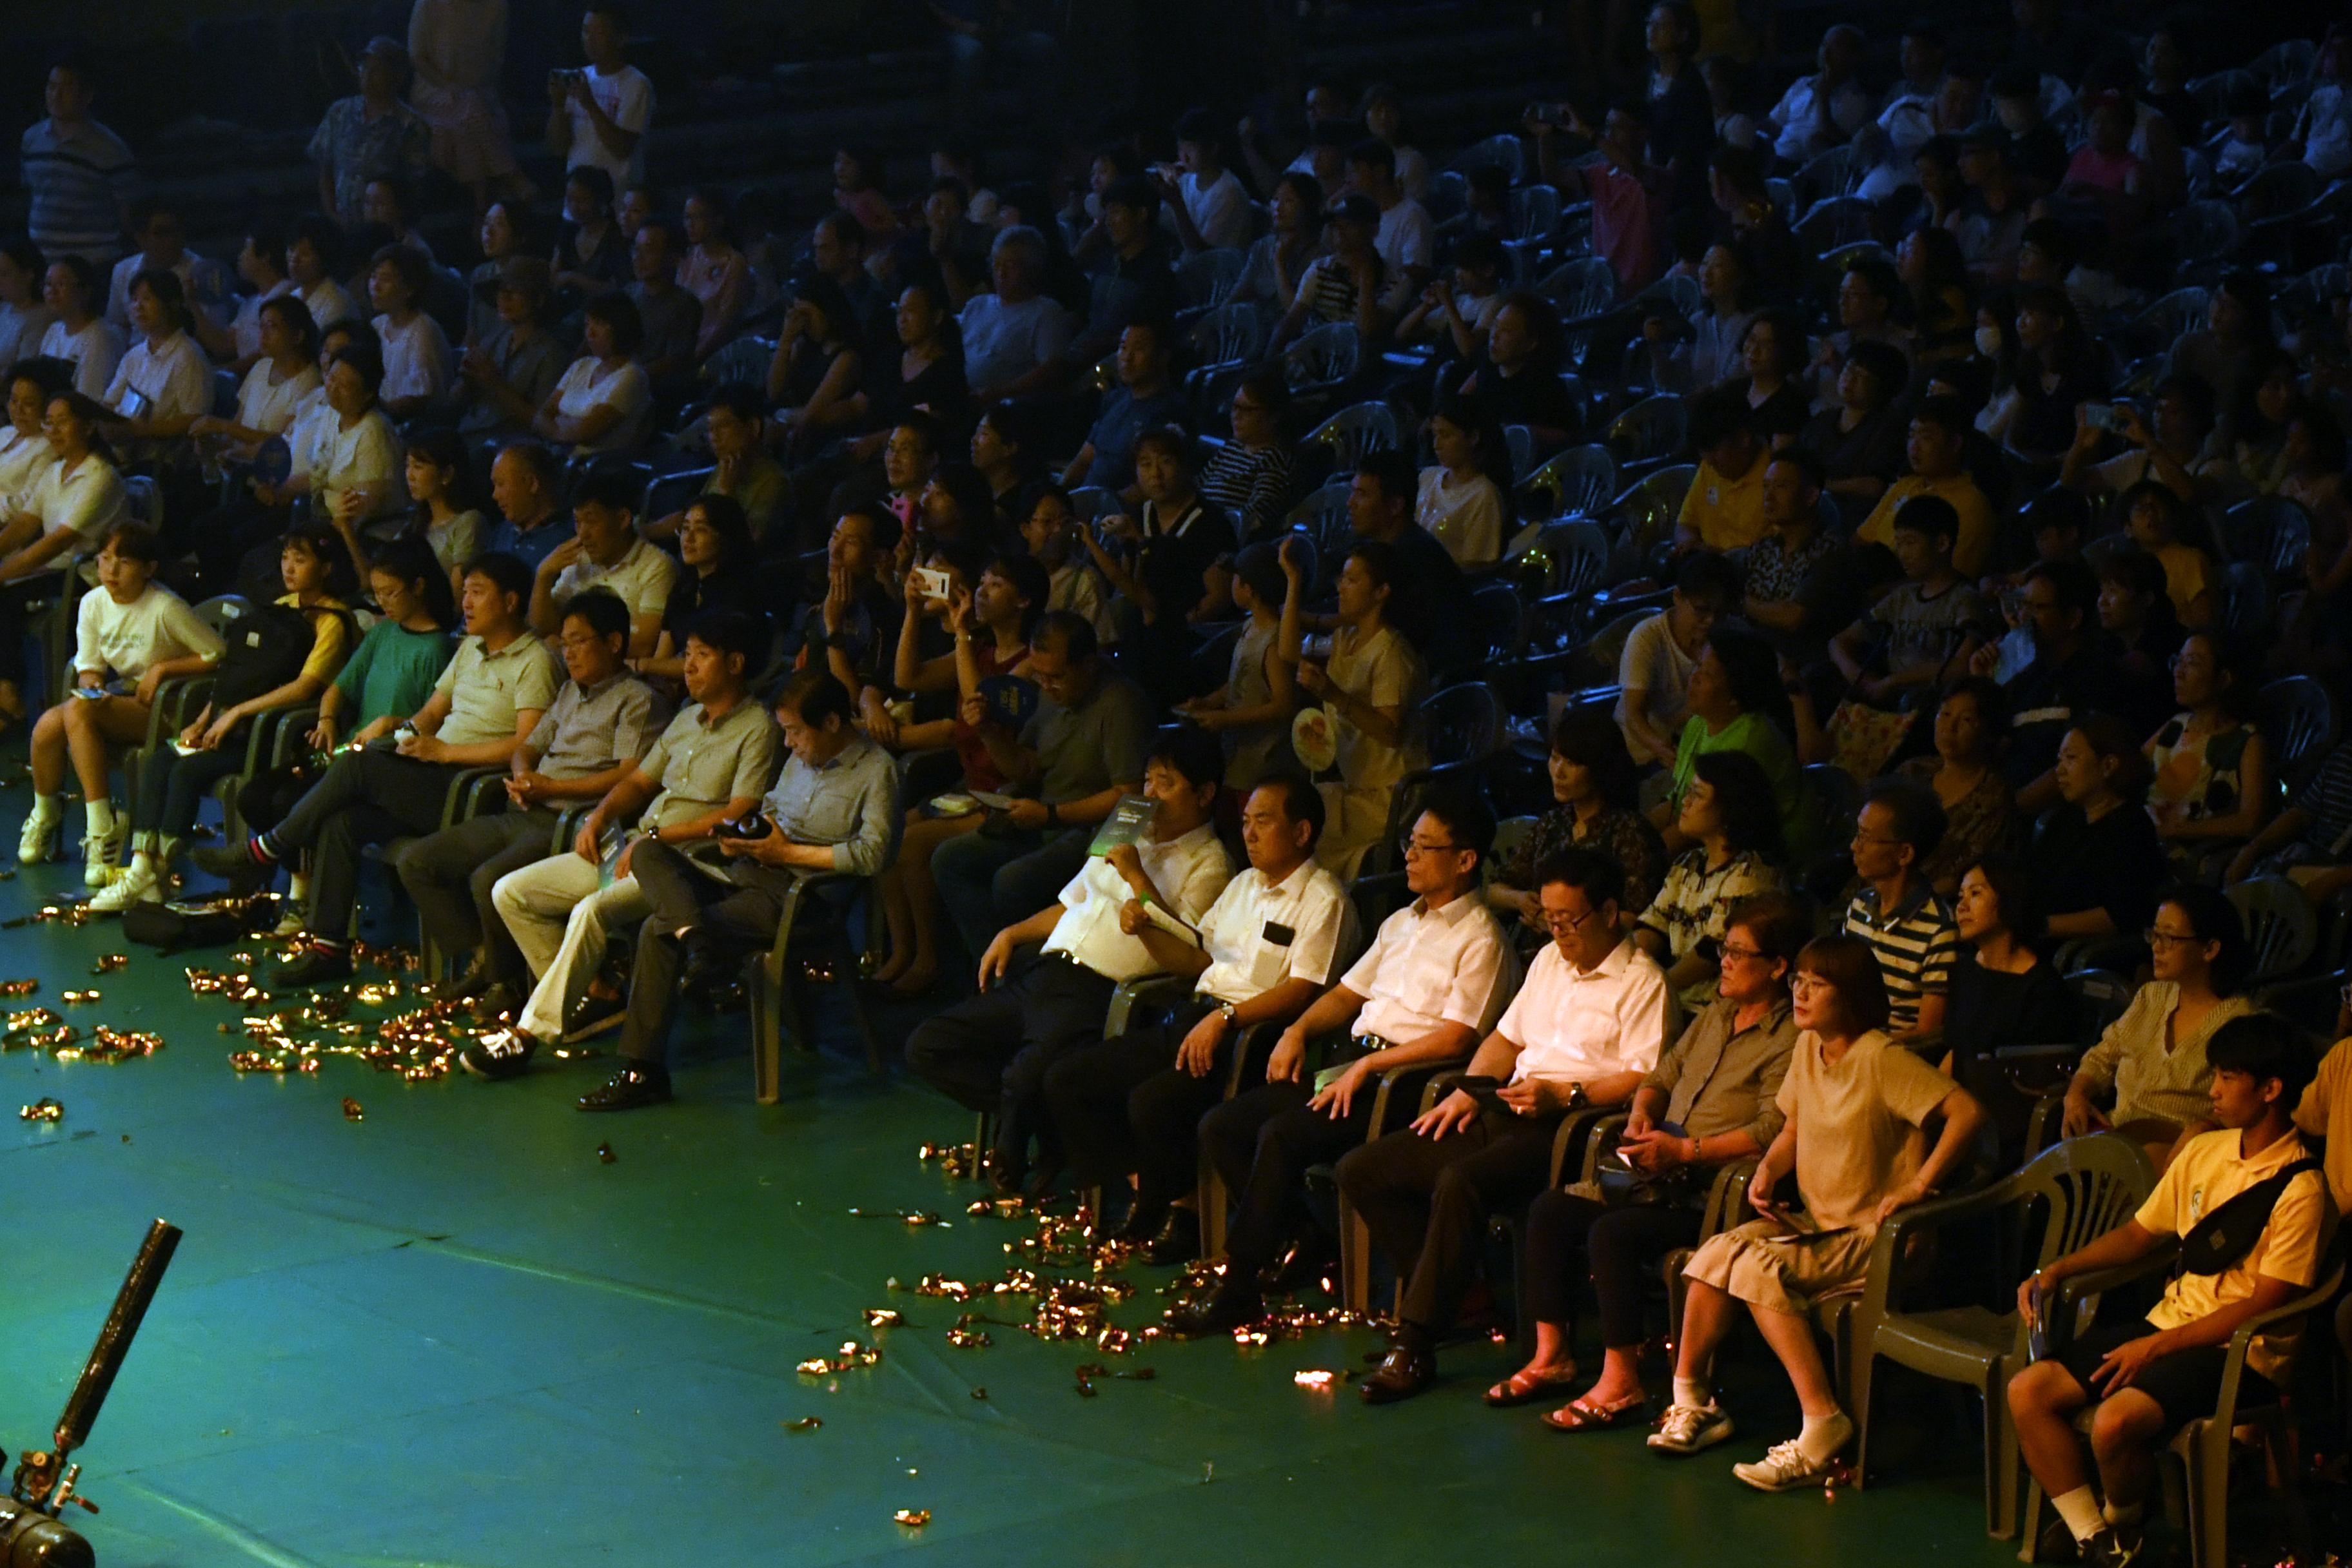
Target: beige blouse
x,y
2148,1080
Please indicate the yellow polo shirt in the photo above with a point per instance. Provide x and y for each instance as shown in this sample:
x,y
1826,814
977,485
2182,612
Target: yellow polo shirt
x,y
1726,514
2208,1174
1971,550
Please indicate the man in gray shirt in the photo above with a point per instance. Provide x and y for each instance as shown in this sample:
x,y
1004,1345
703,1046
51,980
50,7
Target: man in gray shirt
x,y
835,808
1072,762
604,720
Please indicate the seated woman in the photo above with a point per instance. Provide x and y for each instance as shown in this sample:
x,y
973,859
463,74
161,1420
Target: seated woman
x,y
1248,478
508,375
391,674
1971,722
1856,1106
990,623
445,518
1368,679
1464,495
1737,704
1250,714
273,390
1859,437
416,359
2212,783
1051,531
1596,792
75,498
2002,992
2057,368
1703,352
1727,813
2153,1057
814,377
2160,524
128,639
927,375
716,546
1772,359
354,475
592,252
2096,851
164,382
24,448
714,271
285,659
1711,1100
80,334
1518,377
601,403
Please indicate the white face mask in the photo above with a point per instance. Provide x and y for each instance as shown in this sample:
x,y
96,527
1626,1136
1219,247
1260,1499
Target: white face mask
x,y
1989,341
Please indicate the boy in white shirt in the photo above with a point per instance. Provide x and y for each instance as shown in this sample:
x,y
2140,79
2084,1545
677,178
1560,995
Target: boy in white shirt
x,y
131,636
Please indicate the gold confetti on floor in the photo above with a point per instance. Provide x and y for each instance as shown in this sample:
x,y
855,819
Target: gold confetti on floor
x,y
352,1110
42,1109
912,1518
604,1155
805,1424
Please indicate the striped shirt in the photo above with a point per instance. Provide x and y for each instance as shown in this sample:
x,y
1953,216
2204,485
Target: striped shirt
x,y
1253,488
1915,946
79,179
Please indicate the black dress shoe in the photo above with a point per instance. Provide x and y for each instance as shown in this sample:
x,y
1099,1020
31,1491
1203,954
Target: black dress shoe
x,y
316,966
499,1054
1179,1240
593,1016
1408,1368
631,1089
500,1001
1144,1221
466,987
233,864
1234,1306
709,964
1303,1264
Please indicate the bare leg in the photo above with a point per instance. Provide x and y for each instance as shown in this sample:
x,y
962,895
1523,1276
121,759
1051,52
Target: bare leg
x,y
91,727
49,750
1621,1376
922,840
899,923
2124,1436
1708,1314
2044,1400
1791,1339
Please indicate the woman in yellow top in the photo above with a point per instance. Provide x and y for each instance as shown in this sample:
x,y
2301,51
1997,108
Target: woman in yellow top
x,y
258,675
2153,1057
2159,521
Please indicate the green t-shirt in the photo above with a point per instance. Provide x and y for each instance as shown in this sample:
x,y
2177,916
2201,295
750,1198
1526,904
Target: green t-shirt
x,y
1756,736
391,671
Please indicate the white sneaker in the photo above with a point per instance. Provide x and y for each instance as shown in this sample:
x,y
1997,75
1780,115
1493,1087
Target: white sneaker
x,y
1785,1467
1688,1428
135,884
38,842
101,856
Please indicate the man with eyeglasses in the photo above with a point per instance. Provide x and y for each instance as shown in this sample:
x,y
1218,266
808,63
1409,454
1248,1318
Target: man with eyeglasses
x,y
1262,954
602,723
1591,1021
1909,930
1434,980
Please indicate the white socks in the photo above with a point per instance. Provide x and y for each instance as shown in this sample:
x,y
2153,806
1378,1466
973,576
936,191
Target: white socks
x,y
2080,1509
1692,1392
100,816
48,809
1824,1435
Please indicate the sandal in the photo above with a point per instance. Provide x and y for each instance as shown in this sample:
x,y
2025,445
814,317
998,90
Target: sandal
x,y
1524,1387
1581,1415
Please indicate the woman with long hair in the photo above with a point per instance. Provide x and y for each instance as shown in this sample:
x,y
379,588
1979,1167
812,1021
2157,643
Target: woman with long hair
x,y
1464,498
2211,783
1367,681
75,498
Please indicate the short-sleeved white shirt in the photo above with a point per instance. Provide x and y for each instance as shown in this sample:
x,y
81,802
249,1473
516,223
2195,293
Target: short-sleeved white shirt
x,y
1654,663
586,385
415,357
627,99
1574,1025
1428,967
1260,934
642,578
369,453
88,500
270,405
174,377
125,639
93,351
1190,870
1220,209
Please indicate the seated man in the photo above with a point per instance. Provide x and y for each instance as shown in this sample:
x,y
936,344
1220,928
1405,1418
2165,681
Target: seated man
x,y
1590,1020
606,552
1937,443
1724,508
1854,1104
2147,1377
485,706
1924,632
1427,991
835,807
990,1052
710,765
1909,928
1146,398
600,725
1071,764
1653,672
1266,948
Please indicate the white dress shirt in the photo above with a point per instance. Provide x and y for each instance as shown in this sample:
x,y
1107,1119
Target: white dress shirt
x,y
22,458
174,377
1428,967
415,358
1259,934
245,327
1190,870
268,402
1573,1026
642,579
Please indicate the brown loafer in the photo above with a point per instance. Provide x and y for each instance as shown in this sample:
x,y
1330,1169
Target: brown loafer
x,y
1405,1371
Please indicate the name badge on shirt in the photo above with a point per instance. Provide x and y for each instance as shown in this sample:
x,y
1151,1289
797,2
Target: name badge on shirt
x,y
1280,935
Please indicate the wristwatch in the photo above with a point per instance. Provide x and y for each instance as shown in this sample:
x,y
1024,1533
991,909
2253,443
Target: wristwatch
x,y
1225,1011
1576,1100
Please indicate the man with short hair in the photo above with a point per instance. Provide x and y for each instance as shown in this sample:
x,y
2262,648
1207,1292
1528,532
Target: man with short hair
x,y
1430,987
1824,109
839,247
2036,151
598,116
606,552
1653,672
1429,600
78,174
2073,675
1016,340
162,240
525,480
1724,508
1897,912
1068,768
1269,945
990,1053
1938,437
1590,1022
710,767
1206,201
1799,580
598,727
486,705
1144,399
835,808
1139,284
671,315
2146,1378
2173,448
1926,629
735,422
1407,241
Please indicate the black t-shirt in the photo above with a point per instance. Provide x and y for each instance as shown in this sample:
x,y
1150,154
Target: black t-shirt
x,y
2116,864
1176,556
2049,695
1989,1009
1782,414
1529,398
696,594
938,386
1871,449
1430,603
1681,126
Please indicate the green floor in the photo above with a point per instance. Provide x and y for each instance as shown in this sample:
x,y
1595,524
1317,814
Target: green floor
x,y
449,1334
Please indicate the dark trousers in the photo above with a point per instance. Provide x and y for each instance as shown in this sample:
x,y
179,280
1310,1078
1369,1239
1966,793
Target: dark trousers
x,y
743,913
364,797
17,601
449,875
171,788
1426,1201
988,882
1621,1246
1262,1142
1120,1107
991,1052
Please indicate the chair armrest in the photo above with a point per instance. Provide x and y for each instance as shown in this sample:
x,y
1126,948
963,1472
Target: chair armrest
x,y
1159,989
1577,1129
1726,1198
1440,1084
170,712
286,736
464,799
2038,1070
1604,1137
2097,1281
1398,1082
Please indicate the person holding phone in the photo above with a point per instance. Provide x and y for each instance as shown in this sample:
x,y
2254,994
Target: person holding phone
x,y
1590,1022
1855,1104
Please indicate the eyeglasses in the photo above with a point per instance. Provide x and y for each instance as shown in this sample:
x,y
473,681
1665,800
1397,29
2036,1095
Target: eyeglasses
x,y
1876,842
1741,954
2153,936
1805,984
1561,924
1409,845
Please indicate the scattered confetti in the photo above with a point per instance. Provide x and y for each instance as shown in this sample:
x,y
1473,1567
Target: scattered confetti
x,y
913,1217
852,1355
18,987
107,963
43,1110
913,1518
74,998
979,1394
805,1424
352,1110
604,1155
883,1318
